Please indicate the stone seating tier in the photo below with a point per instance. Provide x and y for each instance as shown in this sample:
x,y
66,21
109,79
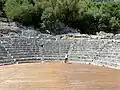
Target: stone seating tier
x,y
26,49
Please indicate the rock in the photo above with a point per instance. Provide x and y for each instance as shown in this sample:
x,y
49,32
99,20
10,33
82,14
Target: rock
x,y
28,31
15,29
95,37
105,35
1,13
3,19
66,30
5,28
117,36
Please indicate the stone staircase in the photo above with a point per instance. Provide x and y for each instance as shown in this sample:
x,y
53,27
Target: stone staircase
x,y
22,49
103,52
85,50
5,57
109,55
56,50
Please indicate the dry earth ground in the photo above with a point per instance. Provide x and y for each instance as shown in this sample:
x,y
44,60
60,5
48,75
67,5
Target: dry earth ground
x,y
58,76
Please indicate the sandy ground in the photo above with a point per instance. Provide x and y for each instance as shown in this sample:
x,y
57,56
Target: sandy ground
x,y
58,76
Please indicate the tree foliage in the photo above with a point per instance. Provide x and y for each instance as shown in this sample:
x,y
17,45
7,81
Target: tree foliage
x,y
23,11
104,16
88,16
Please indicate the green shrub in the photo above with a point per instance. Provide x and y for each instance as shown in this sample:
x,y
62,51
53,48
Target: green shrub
x,y
89,17
104,16
23,11
64,11
114,24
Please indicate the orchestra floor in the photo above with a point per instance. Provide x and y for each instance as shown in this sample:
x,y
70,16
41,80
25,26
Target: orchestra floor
x,y
58,76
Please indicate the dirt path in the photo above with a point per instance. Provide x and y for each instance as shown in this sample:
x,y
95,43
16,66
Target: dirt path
x,y
58,76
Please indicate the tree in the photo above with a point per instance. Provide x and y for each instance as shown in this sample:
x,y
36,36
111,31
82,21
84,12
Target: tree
x,y
64,11
115,25
23,11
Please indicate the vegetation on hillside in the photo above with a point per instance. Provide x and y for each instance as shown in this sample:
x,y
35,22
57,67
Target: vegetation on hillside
x,y
88,16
